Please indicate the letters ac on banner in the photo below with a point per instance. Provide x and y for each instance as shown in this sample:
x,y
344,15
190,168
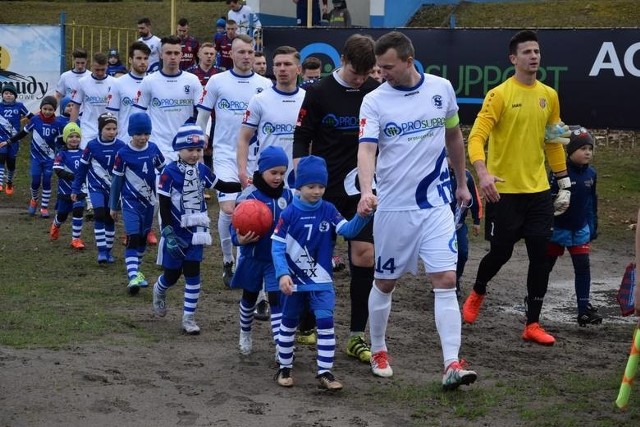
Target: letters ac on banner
x,y
30,59
596,71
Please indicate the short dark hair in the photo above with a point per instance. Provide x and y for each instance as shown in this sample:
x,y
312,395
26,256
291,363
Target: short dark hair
x,y
144,20
521,37
230,22
141,46
286,50
311,63
79,53
257,54
244,37
100,58
358,51
398,41
170,40
232,1
183,22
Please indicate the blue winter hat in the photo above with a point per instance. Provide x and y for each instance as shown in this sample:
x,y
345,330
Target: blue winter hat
x,y
221,23
272,157
311,170
189,135
139,123
63,103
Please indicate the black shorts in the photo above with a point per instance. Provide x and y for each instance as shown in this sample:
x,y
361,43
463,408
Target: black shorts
x,y
348,207
516,216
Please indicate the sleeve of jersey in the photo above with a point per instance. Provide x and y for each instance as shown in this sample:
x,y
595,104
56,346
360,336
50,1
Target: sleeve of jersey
x,y
118,165
159,161
197,90
164,185
350,229
113,98
207,99
452,120
77,95
142,96
484,123
252,115
306,125
369,122
117,181
555,152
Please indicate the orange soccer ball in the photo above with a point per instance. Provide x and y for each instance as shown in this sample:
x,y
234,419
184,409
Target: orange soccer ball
x,y
252,215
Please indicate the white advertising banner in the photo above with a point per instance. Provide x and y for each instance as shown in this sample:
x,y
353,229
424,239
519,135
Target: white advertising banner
x,y
30,59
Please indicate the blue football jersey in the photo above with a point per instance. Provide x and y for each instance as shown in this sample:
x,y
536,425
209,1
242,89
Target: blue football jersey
x,y
69,161
139,170
44,133
96,165
10,115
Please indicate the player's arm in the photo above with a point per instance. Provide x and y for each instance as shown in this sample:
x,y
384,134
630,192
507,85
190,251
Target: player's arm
x,y
455,149
307,126
75,111
227,187
366,169
17,137
242,152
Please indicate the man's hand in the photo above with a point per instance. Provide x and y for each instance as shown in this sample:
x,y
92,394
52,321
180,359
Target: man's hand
x,y
286,284
244,179
113,214
476,229
558,133
367,204
4,144
488,190
174,243
74,197
561,202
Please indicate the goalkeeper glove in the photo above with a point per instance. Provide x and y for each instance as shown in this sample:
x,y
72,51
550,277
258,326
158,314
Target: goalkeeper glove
x,y
558,133
174,243
561,202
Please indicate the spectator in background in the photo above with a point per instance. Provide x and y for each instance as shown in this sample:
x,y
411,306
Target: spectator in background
x,y
310,71
223,45
69,79
246,18
376,74
188,43
339,16
260,64
144,31
115,67
301,12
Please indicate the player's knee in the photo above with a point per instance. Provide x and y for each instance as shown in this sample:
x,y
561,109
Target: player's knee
x,y
191,268
134,241
171,276
100,214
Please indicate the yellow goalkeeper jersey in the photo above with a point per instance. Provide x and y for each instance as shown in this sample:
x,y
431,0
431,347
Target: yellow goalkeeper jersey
x,y
511,127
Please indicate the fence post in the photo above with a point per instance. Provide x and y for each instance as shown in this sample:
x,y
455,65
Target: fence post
x,y
63,41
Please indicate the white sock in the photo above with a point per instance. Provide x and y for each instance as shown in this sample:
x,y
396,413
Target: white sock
x,y
224,221
379,310
448,323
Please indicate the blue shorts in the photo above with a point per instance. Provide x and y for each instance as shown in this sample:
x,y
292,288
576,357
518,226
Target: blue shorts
x,y
41,167
568,238
99,199
250,273
321,303
11,150
137,221
191,253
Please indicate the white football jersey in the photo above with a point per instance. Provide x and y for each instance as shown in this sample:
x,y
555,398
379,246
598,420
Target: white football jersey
x,y
120,101
170,102
229,94
245,18
408,124
69,81
273,114
91,94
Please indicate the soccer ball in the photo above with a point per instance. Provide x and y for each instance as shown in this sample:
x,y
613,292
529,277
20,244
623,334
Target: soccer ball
x,y
252,215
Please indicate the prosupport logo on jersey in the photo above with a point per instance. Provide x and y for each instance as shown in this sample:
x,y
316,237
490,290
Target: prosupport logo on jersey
x,y
171,102
126,101
232,105
95,100
392,129
278,128
340,122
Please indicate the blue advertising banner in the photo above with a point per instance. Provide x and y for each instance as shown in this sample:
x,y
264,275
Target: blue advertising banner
x,y
596,71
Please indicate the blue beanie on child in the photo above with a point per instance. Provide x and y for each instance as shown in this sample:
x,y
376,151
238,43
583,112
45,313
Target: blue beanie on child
x,y
311,170
139,123
189,135
272,157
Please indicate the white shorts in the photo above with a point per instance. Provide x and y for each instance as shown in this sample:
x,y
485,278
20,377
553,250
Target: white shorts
x,y
226,170
400,237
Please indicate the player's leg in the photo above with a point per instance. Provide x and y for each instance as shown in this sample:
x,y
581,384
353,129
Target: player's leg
x,y
396,252
99,218
191,271
248,277
224,221
291,310
47,173
11,168
247,306
172,270
109,229
462,236
503,224
587,314
135,225
361,281
36,178
322,303
63,208
3,160
77,218
537,228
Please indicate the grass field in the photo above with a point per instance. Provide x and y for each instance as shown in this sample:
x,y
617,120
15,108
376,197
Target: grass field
x,y
52,297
